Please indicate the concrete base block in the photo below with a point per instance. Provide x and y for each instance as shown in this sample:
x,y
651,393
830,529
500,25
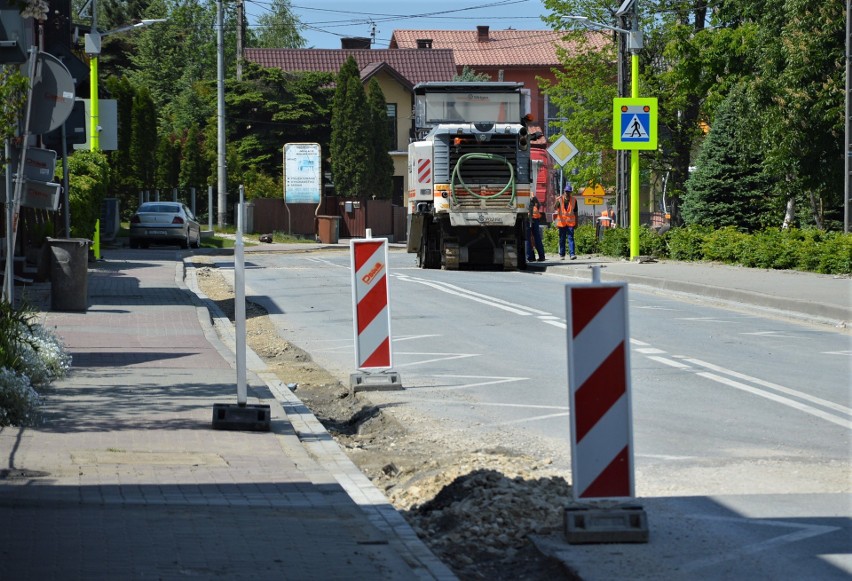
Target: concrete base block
x,y
383,381
254,418
621,524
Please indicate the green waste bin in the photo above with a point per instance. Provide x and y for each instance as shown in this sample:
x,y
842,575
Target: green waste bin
x,y
69,274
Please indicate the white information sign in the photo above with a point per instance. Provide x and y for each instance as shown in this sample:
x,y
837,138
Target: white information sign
x,y
302,173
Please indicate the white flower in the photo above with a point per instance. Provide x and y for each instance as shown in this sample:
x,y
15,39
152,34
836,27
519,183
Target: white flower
x,y
19,402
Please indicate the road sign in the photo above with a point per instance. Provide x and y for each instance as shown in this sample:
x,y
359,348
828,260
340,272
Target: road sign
x,y
371,303
634,123
590,201
562,150
596,191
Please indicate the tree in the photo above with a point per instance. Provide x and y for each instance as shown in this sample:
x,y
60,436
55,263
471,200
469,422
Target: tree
x,y
279,28
350,148
469,75
730,185
192,168
144,139
168,163
381,163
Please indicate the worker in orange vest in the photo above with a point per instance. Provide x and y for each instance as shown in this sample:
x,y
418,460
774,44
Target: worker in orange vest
x,y
534,242
607,218
565,218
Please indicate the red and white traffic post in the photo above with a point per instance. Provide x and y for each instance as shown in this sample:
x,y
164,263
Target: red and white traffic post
x,y
371,315
601,416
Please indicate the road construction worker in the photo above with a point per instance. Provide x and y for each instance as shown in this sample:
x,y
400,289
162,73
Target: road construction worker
x,y
536,219
565,218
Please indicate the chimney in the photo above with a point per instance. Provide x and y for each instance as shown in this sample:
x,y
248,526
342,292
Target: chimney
x,y
355,42
424,43
482,34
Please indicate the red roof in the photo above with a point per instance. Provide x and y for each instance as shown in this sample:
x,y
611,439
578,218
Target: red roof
x,y
416,66
495,48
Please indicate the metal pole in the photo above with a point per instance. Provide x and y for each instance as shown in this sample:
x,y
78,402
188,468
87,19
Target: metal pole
x,y
240,305
8,271
634,168
220,85
210,208
65,195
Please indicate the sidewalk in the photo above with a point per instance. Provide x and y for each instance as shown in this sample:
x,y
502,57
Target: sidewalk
x,y
126,479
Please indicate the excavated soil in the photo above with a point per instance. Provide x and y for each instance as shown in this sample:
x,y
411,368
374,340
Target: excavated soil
x,y
475,508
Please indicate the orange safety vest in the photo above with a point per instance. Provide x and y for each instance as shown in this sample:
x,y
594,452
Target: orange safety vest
x,y
565,216
536,208
607,221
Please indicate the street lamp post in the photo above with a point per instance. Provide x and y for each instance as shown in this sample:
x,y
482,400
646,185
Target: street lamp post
x,y
93,49
634,42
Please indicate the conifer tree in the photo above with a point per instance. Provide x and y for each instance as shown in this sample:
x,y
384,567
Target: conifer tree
x,y
350,146
382,172
729,186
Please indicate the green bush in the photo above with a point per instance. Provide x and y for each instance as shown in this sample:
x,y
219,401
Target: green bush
x,y
585,239
770,249
616,242
651,243
835,254
686,243
724,245
88,185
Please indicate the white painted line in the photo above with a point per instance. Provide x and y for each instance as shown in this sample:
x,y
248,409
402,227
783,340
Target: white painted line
x,y
477,297
493,381
443,357
779,334
703,319
559,324
532,419
410,337
775,386
653,308
639,343
778,398
468,403
800,533
669,362
649,351
837,353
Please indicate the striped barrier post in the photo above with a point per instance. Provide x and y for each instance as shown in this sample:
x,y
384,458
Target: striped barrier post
x,y
599,382
371,314
601,416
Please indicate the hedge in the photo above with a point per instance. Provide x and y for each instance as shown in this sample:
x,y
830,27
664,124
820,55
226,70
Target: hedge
x,y
809,250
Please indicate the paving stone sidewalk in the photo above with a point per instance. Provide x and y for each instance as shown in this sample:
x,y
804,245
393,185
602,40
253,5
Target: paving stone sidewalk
x,y
126,479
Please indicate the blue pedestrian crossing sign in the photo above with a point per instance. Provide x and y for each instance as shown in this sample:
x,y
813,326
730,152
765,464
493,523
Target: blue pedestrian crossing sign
x,y
634,123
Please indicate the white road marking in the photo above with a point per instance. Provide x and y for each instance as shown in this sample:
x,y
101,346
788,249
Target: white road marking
x,y
532,419
800,533
649,351
654,308
410,337
770,385
637,342
559,324
443,357
702,319
837,352
779,334
669,362
515,308
778,398
493,381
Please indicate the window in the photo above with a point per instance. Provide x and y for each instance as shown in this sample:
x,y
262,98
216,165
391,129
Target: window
x,y
392,126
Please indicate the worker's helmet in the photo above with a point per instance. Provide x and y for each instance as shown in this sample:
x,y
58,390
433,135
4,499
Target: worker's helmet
x,y
569,188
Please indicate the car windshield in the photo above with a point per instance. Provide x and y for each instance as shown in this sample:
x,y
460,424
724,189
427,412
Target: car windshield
x,y
165,208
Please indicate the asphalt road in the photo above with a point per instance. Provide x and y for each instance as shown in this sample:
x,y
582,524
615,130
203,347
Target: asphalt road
x,y
736,416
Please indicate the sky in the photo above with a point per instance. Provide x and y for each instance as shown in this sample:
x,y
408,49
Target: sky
x,y
327,21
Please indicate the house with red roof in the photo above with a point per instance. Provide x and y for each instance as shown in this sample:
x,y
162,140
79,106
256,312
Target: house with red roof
x,y
397,71
505,55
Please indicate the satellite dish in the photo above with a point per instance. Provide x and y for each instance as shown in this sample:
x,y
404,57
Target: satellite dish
x,y
53,95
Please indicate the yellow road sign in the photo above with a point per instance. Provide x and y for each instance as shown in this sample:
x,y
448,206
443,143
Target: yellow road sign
x,y
597,191
590,201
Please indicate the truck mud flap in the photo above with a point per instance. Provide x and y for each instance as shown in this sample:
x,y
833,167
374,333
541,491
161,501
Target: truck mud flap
x,y
451,256
415,232
510,255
